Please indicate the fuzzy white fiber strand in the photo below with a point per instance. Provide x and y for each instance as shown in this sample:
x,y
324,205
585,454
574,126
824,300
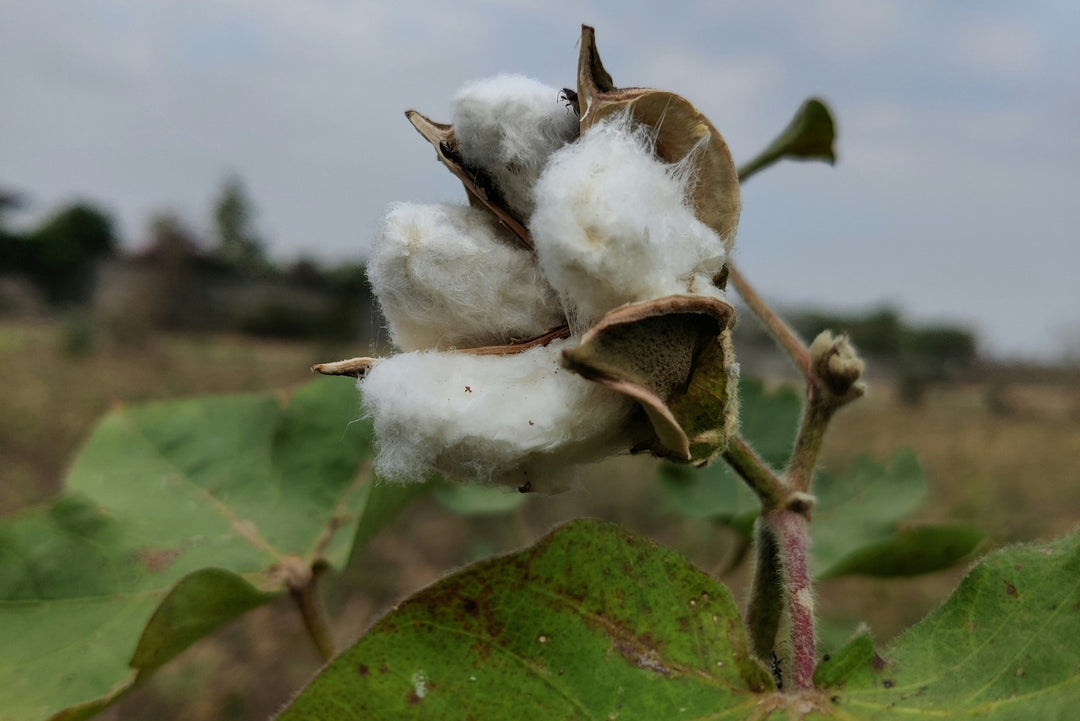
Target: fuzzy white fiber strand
x,y
509,126
494,419
613,225
448,276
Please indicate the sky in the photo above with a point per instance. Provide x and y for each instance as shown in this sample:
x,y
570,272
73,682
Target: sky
x,y
954,197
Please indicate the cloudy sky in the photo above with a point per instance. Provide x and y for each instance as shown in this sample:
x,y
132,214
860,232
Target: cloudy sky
x,y
954,198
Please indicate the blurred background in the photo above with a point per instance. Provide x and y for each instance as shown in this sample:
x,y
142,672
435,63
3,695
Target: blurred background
x,y
188,190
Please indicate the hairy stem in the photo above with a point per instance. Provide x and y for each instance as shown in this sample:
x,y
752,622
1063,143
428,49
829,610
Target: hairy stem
x,y
766,593
756,472
815,421
313,612
781,332
792,533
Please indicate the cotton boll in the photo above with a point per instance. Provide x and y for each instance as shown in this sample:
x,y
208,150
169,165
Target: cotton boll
x,y
448,276
509,125
506,419
612,225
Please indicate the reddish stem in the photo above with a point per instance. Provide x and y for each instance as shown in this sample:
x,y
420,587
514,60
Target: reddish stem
x,y
792,531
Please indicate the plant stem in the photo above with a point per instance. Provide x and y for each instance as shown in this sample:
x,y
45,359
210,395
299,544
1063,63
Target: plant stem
x,y
815,420
313,612
782,588
763,160
756,472
766,593
792,534
781,332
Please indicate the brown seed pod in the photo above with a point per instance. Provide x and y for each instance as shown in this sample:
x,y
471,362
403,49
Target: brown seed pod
x,y
680,130
673,356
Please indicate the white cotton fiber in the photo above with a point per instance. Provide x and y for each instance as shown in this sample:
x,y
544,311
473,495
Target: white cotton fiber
x,y
449,276
612,225
509,125
504,419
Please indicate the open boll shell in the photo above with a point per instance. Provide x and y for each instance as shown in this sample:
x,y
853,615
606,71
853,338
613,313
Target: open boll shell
x,y
673,356
480,187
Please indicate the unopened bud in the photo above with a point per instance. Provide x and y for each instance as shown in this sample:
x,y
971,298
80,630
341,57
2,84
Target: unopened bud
x,y
837,364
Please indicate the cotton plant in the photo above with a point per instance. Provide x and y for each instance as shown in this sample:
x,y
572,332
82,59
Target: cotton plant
x,y
575,308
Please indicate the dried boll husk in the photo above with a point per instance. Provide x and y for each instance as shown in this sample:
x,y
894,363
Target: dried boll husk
x,y
673,356
682,135
480,186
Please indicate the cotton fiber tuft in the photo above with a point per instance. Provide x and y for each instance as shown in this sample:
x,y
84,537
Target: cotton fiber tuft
x,y
509,126
612,225
449,276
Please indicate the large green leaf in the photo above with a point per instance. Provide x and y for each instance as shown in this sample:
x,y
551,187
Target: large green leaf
x,y
592,623
855,524
589,623
1005,646
180,516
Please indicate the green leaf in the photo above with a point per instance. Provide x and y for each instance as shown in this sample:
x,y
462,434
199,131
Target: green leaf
x,y
855,523
589,623
180,517
833,669
1003,647
476,500
810,135
769,422
909,552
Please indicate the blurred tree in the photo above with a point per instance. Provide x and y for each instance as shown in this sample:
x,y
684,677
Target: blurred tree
x,y
60,255
238,244
920,353
879,332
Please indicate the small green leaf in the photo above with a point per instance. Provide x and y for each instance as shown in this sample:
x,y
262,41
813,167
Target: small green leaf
x,y
856,653
855,523
589,623
1004,647
715,493
810,135
475,500
909,552
180,517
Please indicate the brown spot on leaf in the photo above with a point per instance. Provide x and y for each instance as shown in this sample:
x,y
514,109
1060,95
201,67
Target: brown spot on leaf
x,y
878,663
1011,590
641,656
888,683
363,670
156,561
414,698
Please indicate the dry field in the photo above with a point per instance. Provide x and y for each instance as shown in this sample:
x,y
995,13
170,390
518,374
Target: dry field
x,y
1007,461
